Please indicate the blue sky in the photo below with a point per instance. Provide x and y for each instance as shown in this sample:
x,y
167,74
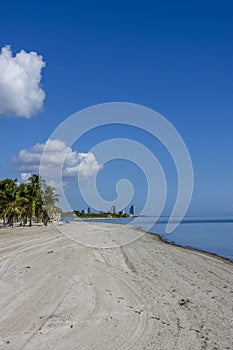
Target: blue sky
x,y
172,56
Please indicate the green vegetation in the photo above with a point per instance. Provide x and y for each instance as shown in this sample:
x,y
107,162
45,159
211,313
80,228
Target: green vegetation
x,y
68,214
100,215
27,201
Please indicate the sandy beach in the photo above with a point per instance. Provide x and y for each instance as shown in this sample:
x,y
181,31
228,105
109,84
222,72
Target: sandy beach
x,y
56,293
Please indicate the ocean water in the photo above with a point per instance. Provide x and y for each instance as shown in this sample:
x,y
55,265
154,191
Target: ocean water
x,y
210,234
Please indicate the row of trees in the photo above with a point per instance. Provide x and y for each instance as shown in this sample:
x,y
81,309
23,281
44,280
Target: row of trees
x,y
103,215
25,201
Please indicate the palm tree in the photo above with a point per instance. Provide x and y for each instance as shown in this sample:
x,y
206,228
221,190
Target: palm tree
x,y
50,198
34,189
3,201
9,201
25,200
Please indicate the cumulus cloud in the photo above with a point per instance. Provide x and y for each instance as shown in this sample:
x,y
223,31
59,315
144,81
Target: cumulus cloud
x,y
20,76
83,164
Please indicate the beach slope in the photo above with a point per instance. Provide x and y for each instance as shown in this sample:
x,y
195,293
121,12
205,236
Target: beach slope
x,y
58,294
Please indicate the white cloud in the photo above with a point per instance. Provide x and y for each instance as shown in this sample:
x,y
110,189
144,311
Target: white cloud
x,y
82,164
24,177
20,76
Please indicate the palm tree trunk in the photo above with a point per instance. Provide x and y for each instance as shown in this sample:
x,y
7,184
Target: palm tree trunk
x,y
25,220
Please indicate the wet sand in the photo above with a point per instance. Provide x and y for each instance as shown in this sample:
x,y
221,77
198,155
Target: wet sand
x,y
57,293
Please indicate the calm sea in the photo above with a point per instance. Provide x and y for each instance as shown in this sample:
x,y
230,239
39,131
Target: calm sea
x,y
214,235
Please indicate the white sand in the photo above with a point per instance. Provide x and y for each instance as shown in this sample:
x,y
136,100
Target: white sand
x,y
58,294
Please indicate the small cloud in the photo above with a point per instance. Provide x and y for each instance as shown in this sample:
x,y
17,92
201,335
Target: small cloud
x,y
24,177
56,155
20,76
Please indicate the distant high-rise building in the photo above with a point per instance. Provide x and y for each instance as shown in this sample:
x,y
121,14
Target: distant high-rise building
x,y
132,209
113,209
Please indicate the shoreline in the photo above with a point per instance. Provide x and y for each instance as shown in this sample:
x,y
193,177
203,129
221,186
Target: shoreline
x,y
190,247
152,234
220,257
180,245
